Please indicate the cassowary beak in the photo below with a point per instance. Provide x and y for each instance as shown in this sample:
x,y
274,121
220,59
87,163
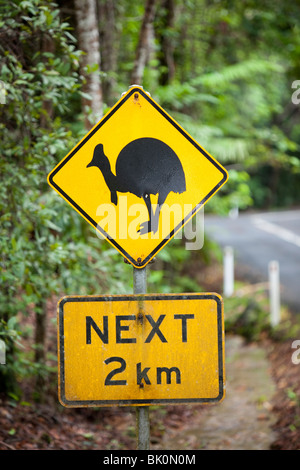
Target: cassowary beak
x,y
90,164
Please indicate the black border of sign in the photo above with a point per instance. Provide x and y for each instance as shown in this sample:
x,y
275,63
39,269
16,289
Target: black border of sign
x,y
159,297
93,222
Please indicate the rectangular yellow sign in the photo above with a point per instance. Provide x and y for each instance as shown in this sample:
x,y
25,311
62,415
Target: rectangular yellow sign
x,y
141,350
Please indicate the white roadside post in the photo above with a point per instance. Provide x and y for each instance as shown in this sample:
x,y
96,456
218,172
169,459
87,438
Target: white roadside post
x,y
274,292
228,272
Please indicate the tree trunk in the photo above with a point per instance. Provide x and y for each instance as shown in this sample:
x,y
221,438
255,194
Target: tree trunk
x,y
88,38
144,44
108,48
40,348
166,56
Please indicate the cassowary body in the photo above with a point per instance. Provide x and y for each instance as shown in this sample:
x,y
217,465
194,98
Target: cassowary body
x,y
145,166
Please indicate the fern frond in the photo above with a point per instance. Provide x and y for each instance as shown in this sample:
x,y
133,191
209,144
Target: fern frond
x,y
213,140
230,149
239,71
179,95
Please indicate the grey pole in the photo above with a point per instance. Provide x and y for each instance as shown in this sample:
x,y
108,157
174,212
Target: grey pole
x,y
142,412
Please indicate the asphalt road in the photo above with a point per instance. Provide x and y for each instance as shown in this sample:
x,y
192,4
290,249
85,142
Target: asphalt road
x,y
257,239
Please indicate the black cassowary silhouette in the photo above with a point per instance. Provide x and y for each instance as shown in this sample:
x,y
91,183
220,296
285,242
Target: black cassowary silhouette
x,y
145,166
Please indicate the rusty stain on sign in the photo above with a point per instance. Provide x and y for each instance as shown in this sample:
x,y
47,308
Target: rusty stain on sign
x,y
141,350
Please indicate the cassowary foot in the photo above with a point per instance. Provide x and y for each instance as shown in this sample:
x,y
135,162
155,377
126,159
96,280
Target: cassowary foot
x,y
145,227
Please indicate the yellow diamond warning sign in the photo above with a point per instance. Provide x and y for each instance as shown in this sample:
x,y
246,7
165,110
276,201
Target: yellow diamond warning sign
x,y
141,350
137,177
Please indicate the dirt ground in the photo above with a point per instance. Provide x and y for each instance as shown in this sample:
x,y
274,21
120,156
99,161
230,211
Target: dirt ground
x,y
274,411
276,424
244,419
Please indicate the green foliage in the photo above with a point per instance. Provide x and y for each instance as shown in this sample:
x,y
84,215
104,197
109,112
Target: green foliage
x,y
235,194
246,316
45,249
234,66
167,274
232,92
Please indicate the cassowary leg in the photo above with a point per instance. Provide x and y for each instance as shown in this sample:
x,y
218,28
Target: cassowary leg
x,y
146,227
155,216
114,197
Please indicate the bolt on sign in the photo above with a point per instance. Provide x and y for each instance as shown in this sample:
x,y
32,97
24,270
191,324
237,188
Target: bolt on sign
x,y
141,350
137,177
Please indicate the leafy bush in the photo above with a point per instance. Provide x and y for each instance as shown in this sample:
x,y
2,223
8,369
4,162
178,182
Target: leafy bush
x,y
45,249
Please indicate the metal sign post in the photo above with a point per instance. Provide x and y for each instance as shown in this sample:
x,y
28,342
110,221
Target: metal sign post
x,y
142,412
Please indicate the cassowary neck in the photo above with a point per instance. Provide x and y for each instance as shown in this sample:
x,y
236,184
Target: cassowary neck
x,y
110,178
